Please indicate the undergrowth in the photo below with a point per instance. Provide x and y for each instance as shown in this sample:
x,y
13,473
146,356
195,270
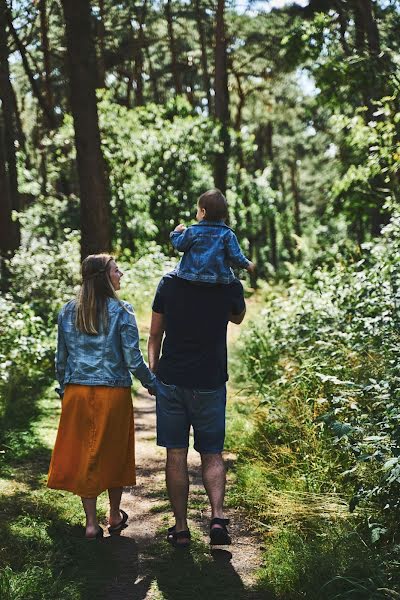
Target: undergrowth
x,y
316,428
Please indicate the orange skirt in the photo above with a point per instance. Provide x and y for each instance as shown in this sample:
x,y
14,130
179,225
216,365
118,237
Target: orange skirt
x,y
95,445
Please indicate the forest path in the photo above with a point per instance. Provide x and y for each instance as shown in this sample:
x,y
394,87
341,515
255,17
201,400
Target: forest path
x,y
149,568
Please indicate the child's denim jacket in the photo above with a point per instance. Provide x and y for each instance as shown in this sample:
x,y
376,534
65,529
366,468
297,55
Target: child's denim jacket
x,y
210,249
104,359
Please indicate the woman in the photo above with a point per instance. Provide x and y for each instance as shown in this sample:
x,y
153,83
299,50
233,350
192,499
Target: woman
x,y
97,349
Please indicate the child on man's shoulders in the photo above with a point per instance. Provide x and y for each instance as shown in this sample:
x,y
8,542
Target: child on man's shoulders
x,y
210,247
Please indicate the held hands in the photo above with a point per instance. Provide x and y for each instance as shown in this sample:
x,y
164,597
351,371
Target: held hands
x,y
180,228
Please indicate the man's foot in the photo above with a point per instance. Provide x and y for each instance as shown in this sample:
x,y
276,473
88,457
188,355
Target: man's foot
x,y
218,532
178,539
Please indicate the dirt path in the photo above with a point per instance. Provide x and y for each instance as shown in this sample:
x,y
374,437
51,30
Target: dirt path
x,y
150,568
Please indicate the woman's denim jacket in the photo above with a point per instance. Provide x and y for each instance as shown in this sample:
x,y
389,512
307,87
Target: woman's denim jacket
x,y
104,359
210,249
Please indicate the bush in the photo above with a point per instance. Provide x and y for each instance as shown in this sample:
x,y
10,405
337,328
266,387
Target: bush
x,y
325,355
43,276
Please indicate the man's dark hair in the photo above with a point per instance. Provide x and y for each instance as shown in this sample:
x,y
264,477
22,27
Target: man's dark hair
x,y
215,205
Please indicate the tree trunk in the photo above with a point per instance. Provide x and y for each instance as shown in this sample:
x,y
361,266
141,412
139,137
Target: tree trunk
x,y
265,151
343,19
101,34
172,48
153,77
296,197
46,109
139,59
221,99
8,138
9,234
44,33
242,98
368,24
199,13
93,180
273,242
367,35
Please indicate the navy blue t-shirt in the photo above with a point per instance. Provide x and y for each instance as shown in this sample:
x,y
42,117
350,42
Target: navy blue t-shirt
x,y
196,317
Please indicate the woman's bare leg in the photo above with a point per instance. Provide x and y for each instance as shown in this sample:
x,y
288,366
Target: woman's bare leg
x,y
114,495
92,525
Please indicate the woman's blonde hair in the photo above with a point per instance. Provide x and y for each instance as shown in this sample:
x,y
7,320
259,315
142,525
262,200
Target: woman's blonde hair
x,y
91,314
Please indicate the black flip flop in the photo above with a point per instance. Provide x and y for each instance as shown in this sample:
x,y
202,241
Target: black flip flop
x,y
219,535
116,529
170,534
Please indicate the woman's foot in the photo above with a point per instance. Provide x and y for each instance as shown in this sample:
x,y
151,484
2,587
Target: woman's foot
x,y
94,533
117,522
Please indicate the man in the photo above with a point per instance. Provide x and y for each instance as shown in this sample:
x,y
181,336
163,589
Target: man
x,y
191,391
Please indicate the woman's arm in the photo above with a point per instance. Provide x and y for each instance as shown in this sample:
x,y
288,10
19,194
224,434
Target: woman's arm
x,y
131,350
61,357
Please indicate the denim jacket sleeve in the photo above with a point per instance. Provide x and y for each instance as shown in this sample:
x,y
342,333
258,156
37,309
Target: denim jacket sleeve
x,y
61,357
234,252
130,348
182,240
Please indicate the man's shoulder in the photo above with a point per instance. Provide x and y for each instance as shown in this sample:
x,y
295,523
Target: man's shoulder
x,y
172,281
167,281
168,278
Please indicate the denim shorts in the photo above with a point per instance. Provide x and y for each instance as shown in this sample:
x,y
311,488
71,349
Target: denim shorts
x,y
180,408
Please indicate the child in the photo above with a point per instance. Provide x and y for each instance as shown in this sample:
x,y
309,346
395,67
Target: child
x,y
210,247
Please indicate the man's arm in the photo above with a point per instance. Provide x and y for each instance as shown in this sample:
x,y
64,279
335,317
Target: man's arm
x,y
157,328
238,304
237,319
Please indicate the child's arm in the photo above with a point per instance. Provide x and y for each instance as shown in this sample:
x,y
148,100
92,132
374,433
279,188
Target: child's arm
x,y
235,254
181,238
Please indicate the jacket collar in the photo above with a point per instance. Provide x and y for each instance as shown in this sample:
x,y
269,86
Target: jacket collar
x,y
205,223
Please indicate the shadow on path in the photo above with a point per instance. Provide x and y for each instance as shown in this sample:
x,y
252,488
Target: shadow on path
x,y
196,574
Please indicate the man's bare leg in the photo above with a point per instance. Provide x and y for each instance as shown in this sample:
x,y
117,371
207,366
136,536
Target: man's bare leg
x,y
177,479
214,478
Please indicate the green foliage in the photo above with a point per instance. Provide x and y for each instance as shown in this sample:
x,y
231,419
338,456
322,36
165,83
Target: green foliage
x,y
25,355
45,274
324,356
142,276
158,160
297,561
372,153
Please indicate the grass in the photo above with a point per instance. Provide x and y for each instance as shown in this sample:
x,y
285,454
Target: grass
x,y
41,552
287,480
